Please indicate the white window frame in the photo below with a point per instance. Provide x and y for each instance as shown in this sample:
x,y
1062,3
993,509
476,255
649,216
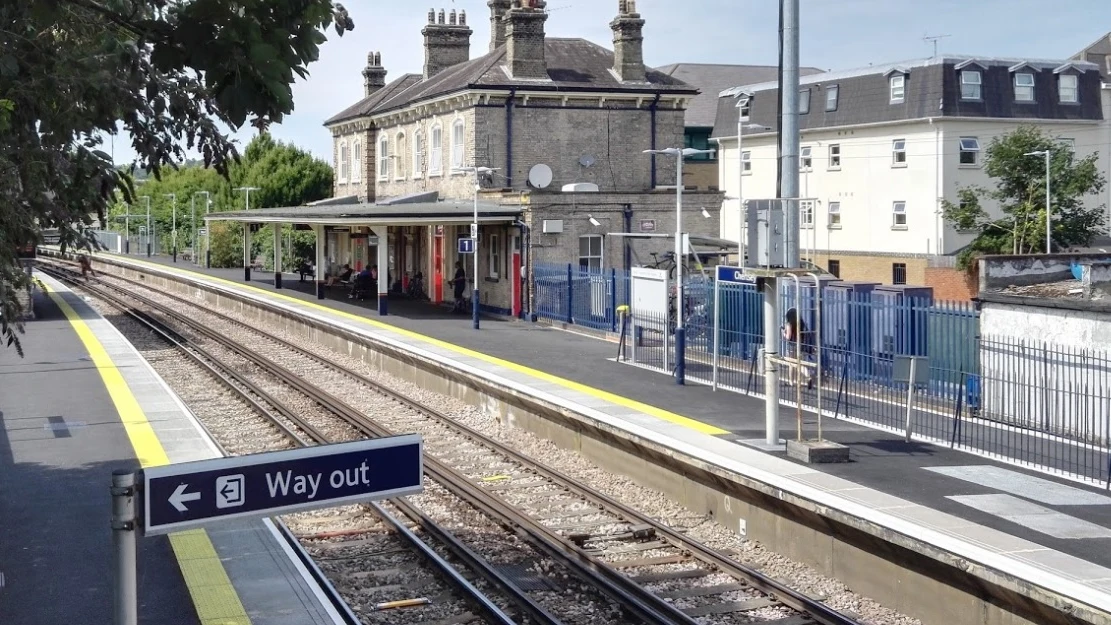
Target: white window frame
x,y
968,145
834,216
1024,87
399,161
806,213
418,154
806,158
834,159
458,144
493,256
343,162
833,92
1067,142
899,147
436,151
589,256
898,85
746,162
357,162
804,101
898,209
383,158
1062,90
977,84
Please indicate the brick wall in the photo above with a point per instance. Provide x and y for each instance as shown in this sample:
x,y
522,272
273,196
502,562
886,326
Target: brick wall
x,y
701,175
952,284
874,267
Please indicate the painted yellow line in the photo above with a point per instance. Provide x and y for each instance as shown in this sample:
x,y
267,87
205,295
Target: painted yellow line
x,y
613,398
209,586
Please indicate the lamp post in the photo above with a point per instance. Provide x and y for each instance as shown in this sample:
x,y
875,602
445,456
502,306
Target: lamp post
x,y
248,191
742,102
1048,221
173,231
474,234
680,331
193,218
147,198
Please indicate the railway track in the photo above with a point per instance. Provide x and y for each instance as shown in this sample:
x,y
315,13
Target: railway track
x,y
657,572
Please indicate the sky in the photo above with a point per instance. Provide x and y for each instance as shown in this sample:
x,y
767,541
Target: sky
x,y
835,34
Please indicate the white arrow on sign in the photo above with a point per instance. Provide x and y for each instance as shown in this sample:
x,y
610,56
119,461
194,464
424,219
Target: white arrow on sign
x,y
179,497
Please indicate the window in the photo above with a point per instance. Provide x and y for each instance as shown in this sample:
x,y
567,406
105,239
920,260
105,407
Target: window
x,y
804,101
899,215
1068,88
898,273
590,252
436,159
698,139
805,161
399,163
383,158
835,268
835,156
357,164
457,152
835,215
746,107
746,162
1024,87
494,257
971,85
418,153
806,212
343,162
831,97
898,88
970,151
1069,144
899,153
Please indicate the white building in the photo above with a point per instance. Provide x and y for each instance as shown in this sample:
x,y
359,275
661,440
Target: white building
x,y
882,146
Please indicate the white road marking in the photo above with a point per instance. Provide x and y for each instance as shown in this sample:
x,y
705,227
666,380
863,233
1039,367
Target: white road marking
x,y
1033,516
1023,485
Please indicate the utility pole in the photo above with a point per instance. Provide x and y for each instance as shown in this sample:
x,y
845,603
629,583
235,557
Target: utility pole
x,y
173,232
789,130
147,198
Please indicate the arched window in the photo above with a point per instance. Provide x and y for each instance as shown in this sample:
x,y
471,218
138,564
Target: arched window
x,y
399,166
342,165
357,162
384,158
458,147
436,157
418,153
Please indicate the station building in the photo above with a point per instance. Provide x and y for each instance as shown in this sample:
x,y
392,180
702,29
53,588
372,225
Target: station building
x,y
563,123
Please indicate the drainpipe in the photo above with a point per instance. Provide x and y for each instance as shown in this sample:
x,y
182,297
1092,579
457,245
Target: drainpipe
x,y
509,137
939,163
628,213
655,104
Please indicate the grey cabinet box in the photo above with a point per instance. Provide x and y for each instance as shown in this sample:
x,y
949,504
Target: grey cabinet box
x,y
766,233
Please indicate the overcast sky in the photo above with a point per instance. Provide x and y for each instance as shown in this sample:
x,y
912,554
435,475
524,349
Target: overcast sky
x,y
836,34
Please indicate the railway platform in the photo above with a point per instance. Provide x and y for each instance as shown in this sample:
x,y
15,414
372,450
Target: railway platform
x,y
1031,534
80,404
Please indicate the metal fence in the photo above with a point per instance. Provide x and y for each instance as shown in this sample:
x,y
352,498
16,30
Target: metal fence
x,y
577,295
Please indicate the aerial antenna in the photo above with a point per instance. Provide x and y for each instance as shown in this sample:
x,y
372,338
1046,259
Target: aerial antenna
x,y
933,39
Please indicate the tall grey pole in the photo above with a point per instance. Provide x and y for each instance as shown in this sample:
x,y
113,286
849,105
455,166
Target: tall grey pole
x,y
740,184
148,225
771,368
193,224
474,235
1048,222
680,331
789,137
126,603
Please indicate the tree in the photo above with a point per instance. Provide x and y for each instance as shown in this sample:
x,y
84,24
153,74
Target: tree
x,y
167,71
1020,194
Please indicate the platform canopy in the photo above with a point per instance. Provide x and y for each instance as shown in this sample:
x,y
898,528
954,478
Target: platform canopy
x,y
416,210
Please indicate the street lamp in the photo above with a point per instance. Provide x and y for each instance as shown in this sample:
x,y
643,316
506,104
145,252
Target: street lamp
x,y
1048,222
474,233
248,198
193,218
742,102
173,199
147,198
680,332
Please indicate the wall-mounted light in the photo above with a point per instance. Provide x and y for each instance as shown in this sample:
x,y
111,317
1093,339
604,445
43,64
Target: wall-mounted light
x,y
593,221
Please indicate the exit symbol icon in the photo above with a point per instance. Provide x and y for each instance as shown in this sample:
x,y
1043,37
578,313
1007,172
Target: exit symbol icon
x,y
229,491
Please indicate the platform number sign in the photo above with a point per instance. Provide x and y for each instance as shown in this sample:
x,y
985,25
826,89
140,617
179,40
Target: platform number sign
x,y
466,246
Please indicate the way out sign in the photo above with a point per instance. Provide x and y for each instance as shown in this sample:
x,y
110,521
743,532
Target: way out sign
x,y
178,496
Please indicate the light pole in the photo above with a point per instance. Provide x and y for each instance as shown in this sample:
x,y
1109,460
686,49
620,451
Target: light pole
x,y
680,331
1048,221
474,235
193,218
173,231
147,198
742,102
248,191
127,229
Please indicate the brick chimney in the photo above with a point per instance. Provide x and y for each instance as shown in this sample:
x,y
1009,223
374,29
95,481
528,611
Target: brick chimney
x,y
498,8
374,75
524,39
446,42
628,42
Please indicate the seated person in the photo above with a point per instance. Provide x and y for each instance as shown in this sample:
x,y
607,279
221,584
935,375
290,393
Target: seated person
x,y
361,284
305,268
344,276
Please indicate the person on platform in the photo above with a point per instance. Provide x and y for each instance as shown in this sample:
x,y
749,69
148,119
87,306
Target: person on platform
x,y
460,284
792,327
344,276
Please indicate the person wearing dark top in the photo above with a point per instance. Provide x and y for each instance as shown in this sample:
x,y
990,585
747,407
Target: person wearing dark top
x,y
460,283
793,325
344,276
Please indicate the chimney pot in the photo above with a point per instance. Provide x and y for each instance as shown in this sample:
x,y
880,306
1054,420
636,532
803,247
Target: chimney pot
x,y
462,18
498,9
451,18
431,16
440,17
374,75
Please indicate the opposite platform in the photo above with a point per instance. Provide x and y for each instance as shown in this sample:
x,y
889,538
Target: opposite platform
x,y
1032,534
88,404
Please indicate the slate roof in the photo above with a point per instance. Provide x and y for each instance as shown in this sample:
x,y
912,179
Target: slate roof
x,y
1099,52
712,79
573,65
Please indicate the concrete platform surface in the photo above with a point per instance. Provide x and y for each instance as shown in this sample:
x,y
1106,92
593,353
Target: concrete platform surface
x,y
75,409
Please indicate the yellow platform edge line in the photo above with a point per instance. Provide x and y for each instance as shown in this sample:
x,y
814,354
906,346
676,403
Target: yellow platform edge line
x,y
208,583
659,413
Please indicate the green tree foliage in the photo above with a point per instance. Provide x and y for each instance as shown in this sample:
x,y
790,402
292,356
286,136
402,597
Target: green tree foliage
x,y
168,72
1020,194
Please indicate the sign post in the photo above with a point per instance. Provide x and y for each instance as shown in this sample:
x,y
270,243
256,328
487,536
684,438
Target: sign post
x,y
178,496
914,370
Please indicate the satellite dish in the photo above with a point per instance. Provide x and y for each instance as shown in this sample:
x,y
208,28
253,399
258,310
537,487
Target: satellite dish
x,y
540,176
586,161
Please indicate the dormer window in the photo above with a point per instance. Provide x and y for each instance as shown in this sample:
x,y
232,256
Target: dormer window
x,y
804,101
898,88
971,85
831,98
1068,88
1024,87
